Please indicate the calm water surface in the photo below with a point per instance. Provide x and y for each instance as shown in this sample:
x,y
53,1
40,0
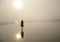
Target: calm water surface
x,y
33,32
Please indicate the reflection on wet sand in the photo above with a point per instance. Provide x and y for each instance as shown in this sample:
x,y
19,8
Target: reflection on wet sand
x,y
21,34
22,25
18,36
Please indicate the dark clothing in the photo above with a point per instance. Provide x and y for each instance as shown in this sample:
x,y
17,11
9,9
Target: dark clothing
x,y
22,23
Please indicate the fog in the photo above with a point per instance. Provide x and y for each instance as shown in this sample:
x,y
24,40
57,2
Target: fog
x,y
41,20
30,9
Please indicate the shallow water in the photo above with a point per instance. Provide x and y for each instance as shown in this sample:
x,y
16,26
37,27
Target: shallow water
x,y
46,28
33,32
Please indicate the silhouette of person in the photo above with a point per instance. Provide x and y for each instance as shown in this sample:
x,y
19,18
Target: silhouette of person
x,y
22,23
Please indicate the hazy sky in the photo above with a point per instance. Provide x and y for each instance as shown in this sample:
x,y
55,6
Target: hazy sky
x,y
29,10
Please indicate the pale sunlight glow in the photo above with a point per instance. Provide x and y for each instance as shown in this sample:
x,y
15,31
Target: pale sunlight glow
x,y
18,36
18,4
